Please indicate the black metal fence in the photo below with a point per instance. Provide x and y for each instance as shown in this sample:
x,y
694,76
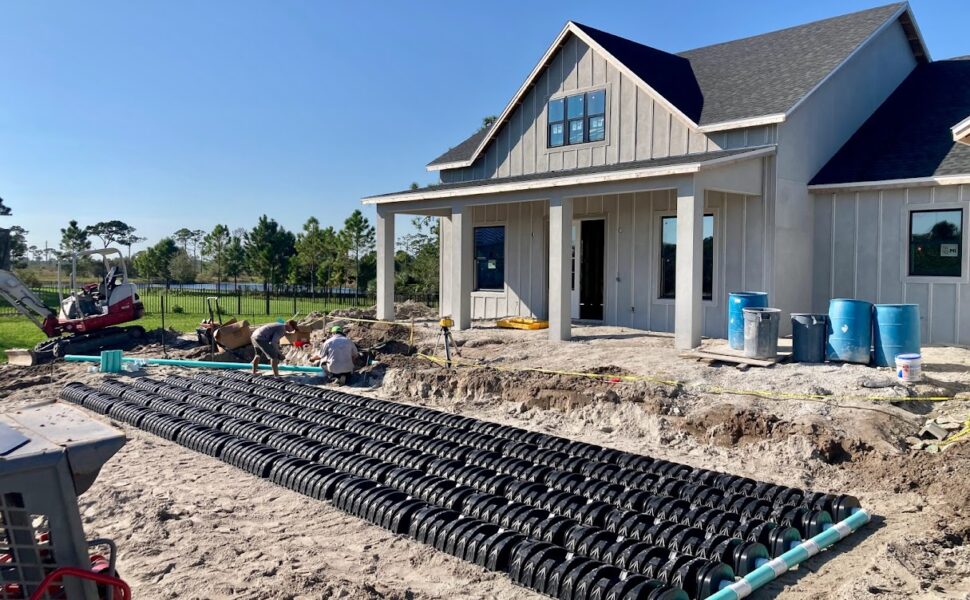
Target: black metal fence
x,y
242,301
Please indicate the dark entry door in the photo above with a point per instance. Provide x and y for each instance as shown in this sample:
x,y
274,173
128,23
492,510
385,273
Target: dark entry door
x,y
591,267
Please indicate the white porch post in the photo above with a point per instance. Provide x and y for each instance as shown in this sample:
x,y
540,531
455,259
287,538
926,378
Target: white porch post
x,y
560,266
385,264
688,308
462,248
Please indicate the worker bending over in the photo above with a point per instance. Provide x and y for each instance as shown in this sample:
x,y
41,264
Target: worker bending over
x,y
338,354
266,342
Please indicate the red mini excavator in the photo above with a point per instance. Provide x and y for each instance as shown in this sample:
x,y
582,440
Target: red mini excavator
x,y
88,316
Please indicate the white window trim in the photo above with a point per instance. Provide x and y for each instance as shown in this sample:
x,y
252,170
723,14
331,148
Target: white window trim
x,y
491,293
597,216
655,257
907,209
608,86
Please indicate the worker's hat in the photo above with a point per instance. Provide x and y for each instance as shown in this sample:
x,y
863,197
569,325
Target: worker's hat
x,y
336,329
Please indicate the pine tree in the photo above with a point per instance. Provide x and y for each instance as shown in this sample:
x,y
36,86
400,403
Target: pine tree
x,y
74,239
358,237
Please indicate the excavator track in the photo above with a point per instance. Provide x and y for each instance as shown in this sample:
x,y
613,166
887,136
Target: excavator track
x,y
110,338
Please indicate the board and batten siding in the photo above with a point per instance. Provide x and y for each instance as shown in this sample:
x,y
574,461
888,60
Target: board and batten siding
x,y
637,126
526,261
861,251
632,257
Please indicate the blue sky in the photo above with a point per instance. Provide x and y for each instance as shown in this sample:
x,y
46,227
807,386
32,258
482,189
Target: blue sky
x,y
176,113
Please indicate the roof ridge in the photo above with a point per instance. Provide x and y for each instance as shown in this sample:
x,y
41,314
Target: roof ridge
x,y
896,5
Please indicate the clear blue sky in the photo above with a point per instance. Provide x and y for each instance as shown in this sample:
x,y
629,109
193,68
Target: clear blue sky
x,y
176,113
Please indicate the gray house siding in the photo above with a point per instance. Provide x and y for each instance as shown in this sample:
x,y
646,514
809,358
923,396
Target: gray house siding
x,y
632,252
526,261
861,251
810,136
638,127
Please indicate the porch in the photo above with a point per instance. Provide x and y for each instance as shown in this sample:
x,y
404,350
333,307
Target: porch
x,y
606,250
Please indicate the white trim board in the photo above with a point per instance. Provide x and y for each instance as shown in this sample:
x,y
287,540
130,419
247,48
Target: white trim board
x,y
569,180
961,130
822,188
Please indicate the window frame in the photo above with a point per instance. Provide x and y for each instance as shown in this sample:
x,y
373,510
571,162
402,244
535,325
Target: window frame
x,y
505,253
656,246
904,241
564,96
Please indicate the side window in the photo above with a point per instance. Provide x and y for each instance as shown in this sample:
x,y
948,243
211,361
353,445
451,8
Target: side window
x,y
557,122
596,115
668,258
936,243
490,258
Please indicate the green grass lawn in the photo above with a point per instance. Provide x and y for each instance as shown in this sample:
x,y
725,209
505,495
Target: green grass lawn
x,y
19,332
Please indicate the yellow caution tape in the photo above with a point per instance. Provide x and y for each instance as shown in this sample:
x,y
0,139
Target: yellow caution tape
x,y
959,435
611,378
702,388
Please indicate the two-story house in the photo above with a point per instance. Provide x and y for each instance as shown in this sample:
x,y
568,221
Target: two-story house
x,y
635,187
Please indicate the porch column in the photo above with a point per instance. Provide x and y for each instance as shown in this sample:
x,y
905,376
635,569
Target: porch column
x,y
560,266
688,309
385,264
462,248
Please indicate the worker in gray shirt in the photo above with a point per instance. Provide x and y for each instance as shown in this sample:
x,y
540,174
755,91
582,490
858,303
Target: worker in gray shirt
x,y
338,354
266,342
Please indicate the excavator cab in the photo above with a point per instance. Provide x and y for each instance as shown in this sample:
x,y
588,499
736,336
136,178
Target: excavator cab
x,y
100,304
86,318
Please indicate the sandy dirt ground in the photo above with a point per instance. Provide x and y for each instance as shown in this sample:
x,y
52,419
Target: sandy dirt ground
x,y
189,526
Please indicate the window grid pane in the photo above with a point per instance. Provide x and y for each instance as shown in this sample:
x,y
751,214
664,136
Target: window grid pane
x,y
574,106
576,131
936,243
556,110
556,131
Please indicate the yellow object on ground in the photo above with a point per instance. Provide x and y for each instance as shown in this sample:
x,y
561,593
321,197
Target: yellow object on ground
x,y
522,323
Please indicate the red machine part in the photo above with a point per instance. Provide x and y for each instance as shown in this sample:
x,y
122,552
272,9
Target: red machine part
x,y
54,580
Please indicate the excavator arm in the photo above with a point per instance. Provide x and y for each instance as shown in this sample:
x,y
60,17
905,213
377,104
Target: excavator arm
x,y
27,303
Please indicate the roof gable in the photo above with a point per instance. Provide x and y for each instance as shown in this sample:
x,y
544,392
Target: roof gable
x,y
671,68
759,78
911,134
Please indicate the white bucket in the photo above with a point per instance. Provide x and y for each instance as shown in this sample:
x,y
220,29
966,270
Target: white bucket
x,y
909,368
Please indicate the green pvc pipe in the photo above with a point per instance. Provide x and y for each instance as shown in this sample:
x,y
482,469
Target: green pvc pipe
x,y
789,560
198,364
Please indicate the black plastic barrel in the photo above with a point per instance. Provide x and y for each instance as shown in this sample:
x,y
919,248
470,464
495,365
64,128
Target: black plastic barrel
x,y
808,337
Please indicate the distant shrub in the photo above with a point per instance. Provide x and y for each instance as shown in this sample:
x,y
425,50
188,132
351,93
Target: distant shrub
x,y
178,309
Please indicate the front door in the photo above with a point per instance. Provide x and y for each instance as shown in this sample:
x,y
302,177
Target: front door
x,y
592,254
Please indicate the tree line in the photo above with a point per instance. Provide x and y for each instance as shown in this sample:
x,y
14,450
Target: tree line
x,y
315,258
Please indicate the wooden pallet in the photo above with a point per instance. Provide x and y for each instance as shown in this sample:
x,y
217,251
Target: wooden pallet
x,y
735,358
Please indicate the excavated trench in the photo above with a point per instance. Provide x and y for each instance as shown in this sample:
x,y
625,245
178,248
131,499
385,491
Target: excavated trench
x,y
564,518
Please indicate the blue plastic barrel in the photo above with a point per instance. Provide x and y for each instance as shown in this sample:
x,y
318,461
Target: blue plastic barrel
x,y
737,302
895,330
849,331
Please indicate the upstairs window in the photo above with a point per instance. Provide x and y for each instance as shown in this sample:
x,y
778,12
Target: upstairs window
x,y
935,243
577,119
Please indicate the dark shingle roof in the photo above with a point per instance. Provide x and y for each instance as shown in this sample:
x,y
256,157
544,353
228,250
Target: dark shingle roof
x,y
625,166
670,75
910,134
464,150
767,74
751,77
